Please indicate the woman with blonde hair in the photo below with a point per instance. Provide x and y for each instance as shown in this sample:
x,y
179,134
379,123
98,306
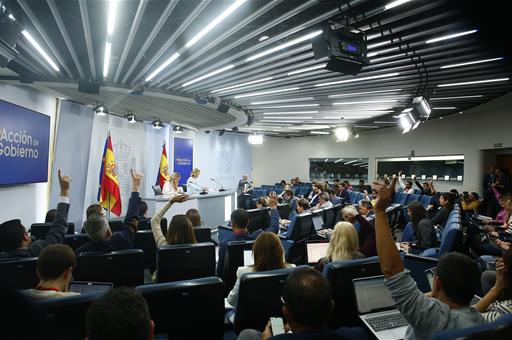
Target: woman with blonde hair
x,y
192,185
172,187
268,254
344,245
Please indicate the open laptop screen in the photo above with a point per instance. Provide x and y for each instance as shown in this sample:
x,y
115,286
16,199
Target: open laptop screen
x,y
372,295
248,259
318,222
89,287
316,250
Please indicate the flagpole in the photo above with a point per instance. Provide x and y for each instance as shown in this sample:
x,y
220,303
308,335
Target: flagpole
x,y
108,206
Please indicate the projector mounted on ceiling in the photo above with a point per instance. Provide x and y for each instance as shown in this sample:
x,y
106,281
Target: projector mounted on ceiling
x,y
344,46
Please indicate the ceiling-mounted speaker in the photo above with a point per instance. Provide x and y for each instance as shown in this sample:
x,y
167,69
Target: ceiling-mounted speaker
x,y
224,108
86,86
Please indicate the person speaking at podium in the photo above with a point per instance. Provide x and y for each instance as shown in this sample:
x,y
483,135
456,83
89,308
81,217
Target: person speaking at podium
x,y
192,185
172,187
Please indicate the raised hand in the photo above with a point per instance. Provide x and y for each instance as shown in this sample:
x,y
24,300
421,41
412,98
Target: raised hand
x,y
384,194
179,199
136,180
64,183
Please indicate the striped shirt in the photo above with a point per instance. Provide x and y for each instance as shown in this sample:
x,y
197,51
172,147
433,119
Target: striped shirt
x,y
497,309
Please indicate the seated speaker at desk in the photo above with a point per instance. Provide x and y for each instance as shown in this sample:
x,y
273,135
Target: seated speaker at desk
x,y
192,186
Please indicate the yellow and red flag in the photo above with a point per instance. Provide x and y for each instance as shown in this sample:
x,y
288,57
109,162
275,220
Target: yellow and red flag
x,y
163,170
109,195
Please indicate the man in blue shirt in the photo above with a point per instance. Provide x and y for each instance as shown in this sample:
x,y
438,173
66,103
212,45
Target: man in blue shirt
x,y
98,229
239,222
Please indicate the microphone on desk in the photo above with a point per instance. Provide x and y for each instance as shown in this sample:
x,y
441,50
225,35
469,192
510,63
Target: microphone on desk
x,y
221,186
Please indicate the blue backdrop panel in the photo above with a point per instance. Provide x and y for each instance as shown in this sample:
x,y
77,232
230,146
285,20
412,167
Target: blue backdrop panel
x,y
24,141
183,155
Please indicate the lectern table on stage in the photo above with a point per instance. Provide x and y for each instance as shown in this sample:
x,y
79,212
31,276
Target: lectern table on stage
x,y
215,207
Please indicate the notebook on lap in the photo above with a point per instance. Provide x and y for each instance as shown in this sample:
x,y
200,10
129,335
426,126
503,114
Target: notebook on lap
x,y
83,287
377,310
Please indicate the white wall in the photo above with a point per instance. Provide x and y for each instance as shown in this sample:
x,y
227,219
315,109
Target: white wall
x,y
27,201
468,134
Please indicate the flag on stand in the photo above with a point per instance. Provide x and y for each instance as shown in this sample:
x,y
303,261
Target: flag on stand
x,y
163,170
109,195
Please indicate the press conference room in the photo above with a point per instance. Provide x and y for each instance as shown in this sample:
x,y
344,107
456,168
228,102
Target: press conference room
x,y
255,169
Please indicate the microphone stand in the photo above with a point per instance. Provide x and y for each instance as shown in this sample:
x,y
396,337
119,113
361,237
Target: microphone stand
x,y
221,186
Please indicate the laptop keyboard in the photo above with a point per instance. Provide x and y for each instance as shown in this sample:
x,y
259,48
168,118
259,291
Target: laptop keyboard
x,y
384,322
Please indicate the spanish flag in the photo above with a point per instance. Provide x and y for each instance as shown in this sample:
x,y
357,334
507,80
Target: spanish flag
x,y
109,195
163,170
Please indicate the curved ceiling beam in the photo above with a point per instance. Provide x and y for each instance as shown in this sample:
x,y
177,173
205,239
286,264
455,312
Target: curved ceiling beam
x,y
87,33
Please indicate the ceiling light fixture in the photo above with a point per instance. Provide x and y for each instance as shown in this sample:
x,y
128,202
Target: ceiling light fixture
x,y
285,45
395,3
355,135
319,132
208,75
450,36
100,109
40,50
406,124
157,124
361,93
444,108
254,94
243,84
177,129
282,101
387,75
352,161
289,106
263,38
474,82
472,62
306,69
287,117
164,65
459,97
130,117
215,22
342,134
367,102
112,10
255,139
10,16
289,112
338,160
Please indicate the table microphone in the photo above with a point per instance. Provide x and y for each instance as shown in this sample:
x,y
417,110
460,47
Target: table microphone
x,y
221,186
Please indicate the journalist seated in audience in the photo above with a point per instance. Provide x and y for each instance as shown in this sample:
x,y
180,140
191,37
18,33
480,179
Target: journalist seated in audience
x,y
121,314
287,187
307,307
239,222
455,282
343,245
301,208
424,231
14,239
180,230
93,209
366,208
99,232
446,202
364,229
143,210
316,190
498,301
268,254
332,196
324,201
374,197
54,269
502,215
262,202
470,202
194,217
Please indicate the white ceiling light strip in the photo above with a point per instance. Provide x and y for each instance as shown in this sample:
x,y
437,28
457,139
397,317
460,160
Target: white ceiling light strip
x,y
40,50
386,75
457,97
282,101
288,106
290,113
197,37
285,45
255,94
361,93
367,102
450,36
112,11
373,54
208,75
286,117
474,82
306,69
444,108
319,132
243,84
395,3
471,63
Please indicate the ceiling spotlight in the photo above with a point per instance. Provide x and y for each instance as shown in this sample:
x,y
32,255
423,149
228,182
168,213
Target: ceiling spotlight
x,y
157,124
207,131
221,132
100,110
355,135
255,139
130,117
263,38
177,129
342,134
234,129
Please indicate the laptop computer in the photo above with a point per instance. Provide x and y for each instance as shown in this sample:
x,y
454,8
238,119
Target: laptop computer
x,y
84,287
318,222
157,190
315,251
377,309
430,273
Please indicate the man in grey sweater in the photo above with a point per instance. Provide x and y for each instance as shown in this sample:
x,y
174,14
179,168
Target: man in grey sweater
x,y
456,280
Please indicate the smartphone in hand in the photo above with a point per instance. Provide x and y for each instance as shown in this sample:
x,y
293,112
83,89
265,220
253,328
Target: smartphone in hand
x,y
277,326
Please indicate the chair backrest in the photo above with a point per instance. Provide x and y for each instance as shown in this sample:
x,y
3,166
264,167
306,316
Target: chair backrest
x,y
19,273
233,259
360,196
284,210
352,198
303,228
417,265
40,230
259,298
76,241
425,200
258,219
144,240
192,309
116,224
144,224
185,261
496,330
340,275
122,267
412,197
63,317
408,235
449,238
203,234
330,216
